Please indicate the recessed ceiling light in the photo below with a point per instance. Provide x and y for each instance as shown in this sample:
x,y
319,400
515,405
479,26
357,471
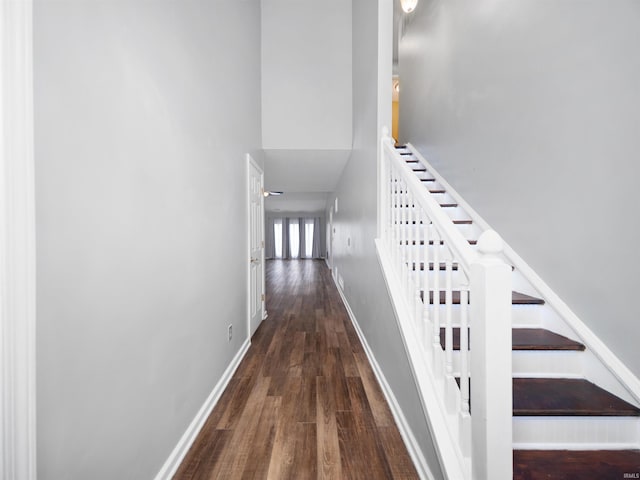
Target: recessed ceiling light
x,y
268,193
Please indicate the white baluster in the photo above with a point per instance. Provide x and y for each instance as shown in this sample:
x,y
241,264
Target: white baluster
x,y
465,419
448,329
398,224
410,250
426,227
392,200
388,228
451,388
435,302
418,274
405,242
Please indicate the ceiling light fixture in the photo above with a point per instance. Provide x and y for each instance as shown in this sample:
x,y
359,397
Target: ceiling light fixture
x,y
408,6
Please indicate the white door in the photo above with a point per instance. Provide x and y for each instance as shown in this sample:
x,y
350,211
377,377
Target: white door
x,y
256,246
330,240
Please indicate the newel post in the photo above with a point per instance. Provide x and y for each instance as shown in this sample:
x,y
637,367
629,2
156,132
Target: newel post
x,y
491,374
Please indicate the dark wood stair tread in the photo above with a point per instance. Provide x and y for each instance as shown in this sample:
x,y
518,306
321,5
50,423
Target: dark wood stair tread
x,y
542,339
443,205
566,397
442,266
575,464
455,222
538,339
421,242
431,190
517,298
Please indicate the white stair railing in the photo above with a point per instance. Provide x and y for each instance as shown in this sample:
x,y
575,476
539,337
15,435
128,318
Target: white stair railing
x,y
448,286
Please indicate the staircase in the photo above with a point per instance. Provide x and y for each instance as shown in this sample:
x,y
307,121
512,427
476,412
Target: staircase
x,y
572,417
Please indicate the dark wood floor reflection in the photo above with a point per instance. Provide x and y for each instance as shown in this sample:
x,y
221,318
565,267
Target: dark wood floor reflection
x,y
304,403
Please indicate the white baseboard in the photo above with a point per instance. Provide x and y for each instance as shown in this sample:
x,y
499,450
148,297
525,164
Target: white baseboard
x,y
177,455
406,433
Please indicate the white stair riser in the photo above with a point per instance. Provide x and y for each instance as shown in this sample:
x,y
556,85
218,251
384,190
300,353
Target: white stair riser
x,y
423,175
576,432
455,213
416,253
458,278
536,364
549,364
469,232
523,316
432,185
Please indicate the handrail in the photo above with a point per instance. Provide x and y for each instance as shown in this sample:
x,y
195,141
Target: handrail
x,y
447,284
458,244
618,369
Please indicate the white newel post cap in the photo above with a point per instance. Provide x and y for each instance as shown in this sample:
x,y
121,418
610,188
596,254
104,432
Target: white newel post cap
x,y
490,245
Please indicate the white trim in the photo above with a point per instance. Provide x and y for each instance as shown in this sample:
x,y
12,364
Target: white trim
x,y
252,163
587,336
17,244
384,91
403,425
172,463
453,465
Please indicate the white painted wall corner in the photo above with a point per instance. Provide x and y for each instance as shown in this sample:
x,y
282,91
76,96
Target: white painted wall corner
x,y
184,444
17,245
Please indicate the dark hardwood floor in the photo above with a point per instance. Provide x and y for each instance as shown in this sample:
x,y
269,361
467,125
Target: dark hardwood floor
x,y
304,403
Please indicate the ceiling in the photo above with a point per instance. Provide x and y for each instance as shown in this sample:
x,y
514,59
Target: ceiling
x,y
305,176
308,202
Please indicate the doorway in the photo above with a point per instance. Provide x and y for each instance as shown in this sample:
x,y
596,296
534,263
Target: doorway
x,y
256,290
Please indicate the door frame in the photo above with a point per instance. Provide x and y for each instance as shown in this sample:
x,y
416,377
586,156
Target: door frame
x,y
17,244
252,163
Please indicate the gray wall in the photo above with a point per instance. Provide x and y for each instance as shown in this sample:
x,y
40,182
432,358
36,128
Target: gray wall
x,y
355,229
531,110
143,111
306,74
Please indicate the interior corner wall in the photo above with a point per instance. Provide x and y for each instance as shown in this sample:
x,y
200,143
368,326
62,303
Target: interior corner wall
x,y
355,224
306,74
143,116
531,110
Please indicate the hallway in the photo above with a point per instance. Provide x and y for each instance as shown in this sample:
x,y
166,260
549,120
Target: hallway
x,y
304,403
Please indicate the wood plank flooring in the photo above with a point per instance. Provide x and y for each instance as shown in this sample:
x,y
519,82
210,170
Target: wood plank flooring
x,y
304,403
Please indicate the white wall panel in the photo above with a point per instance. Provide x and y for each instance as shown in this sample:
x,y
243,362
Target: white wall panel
x,y
306,74
143,114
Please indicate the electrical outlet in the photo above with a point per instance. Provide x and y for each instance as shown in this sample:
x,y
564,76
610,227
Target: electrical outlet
x,y
229,333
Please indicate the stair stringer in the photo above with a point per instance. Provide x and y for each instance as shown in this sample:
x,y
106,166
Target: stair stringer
x,y
601,365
